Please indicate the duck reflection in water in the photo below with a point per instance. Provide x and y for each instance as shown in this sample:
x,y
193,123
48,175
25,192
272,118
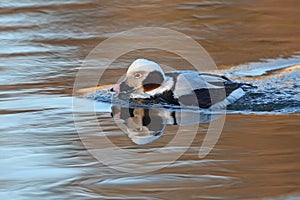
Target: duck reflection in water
x,y
144,125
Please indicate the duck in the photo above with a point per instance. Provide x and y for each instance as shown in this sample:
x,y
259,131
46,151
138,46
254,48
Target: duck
x,y
145,81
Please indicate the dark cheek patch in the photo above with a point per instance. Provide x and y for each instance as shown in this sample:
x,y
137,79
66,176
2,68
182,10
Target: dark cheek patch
x,y
125,87
153,81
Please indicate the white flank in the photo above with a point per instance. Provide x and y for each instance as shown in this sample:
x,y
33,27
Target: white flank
x,y
233,97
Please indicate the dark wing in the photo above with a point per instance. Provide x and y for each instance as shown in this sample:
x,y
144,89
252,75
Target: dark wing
x,y
223,81
203,89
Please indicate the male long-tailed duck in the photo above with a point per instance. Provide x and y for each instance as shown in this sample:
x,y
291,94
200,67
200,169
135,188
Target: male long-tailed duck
x,y
146,81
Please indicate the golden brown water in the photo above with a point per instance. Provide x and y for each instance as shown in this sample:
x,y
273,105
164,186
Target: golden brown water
x,y
42,46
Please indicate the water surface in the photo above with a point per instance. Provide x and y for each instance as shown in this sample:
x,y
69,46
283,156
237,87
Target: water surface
x,y
42,46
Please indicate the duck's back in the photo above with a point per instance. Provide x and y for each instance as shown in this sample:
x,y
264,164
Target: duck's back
x,y
203,89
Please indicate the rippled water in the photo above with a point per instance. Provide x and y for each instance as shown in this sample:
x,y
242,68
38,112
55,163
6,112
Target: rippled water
x,y
42,46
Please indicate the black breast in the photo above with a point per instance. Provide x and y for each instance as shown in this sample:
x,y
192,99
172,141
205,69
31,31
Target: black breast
x,y
167,97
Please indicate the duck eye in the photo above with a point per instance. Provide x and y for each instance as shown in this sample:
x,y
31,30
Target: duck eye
x,y
138,75
139,129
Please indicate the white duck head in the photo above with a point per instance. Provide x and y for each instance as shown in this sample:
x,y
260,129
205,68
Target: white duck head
x,y
142,75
